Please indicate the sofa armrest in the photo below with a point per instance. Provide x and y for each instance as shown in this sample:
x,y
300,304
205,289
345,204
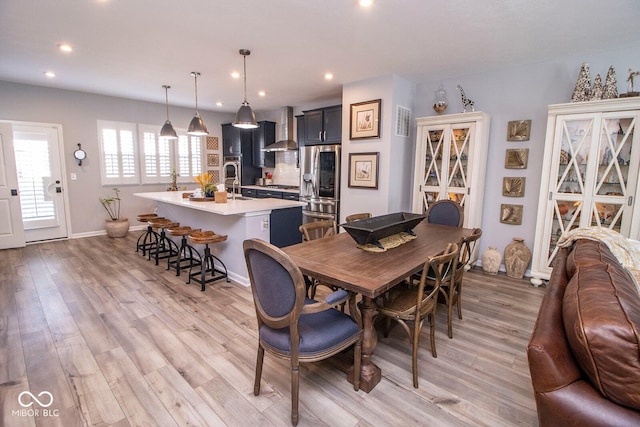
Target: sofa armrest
x,y
551,362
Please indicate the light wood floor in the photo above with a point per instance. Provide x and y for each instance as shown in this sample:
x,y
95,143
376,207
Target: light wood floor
x,y
119,341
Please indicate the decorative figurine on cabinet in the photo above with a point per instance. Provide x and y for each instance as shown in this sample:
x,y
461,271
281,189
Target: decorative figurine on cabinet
x,y
466,102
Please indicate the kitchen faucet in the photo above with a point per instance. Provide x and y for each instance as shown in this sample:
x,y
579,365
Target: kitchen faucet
x,y
235,179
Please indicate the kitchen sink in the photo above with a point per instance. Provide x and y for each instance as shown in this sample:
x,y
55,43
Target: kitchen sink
x,y
243,198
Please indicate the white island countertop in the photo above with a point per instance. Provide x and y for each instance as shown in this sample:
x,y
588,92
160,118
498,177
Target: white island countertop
x,y
243,206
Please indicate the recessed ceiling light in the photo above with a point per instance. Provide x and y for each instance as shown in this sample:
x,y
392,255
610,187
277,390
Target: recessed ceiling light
x,y
365,3
235,75
328,76
64,47
50,74
262,93
219,104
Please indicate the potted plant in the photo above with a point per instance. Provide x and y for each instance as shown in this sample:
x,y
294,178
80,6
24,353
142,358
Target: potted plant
x,y
115,226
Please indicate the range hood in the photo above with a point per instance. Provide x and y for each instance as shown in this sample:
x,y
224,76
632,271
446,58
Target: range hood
x,y
286,141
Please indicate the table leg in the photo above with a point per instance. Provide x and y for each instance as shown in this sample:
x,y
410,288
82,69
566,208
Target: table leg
x,y
370,374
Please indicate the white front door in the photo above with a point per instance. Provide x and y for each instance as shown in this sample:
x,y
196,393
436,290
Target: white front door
x,y
11,229
37,149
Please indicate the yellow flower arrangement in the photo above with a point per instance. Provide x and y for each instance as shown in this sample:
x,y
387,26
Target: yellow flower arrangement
x,y
205,182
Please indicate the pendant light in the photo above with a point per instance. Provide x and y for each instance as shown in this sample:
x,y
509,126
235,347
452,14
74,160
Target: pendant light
x,y
197,126
245,118
167,131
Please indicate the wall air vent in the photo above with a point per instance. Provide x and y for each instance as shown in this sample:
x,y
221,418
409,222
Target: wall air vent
x,y
403,121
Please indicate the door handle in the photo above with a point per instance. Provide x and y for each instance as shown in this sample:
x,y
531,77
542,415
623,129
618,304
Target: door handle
x,y
14,192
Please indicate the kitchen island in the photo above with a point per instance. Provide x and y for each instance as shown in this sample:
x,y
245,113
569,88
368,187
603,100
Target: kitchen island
x,y
272,220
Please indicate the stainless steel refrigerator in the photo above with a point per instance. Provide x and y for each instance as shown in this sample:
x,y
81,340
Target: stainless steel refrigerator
x,y
320,182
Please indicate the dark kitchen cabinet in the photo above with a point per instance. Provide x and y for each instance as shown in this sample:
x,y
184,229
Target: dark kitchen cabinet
x,y
263,136
299,136
323,126
284,228
266,193
238,143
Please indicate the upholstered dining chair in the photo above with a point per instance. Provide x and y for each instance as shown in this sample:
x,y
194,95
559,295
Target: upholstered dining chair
x,y
291,326
357,216
317,230
406,303
445,212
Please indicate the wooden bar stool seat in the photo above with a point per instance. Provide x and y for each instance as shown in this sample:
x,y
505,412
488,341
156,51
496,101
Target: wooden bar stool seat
x,y
165,247
208,260
187,255
149,238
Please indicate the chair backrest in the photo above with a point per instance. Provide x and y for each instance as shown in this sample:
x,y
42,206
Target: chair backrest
x,y
318,229
357,216
436,269
277,284
445,212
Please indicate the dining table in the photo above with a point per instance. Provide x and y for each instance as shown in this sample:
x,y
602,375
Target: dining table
x,y
337,260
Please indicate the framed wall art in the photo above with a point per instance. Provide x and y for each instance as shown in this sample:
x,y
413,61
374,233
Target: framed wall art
x,y
513,186
363,170
516,158
365,120
511,214
518,130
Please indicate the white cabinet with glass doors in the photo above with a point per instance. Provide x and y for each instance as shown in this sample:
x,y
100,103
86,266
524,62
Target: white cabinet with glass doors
x,y
590,174
451,159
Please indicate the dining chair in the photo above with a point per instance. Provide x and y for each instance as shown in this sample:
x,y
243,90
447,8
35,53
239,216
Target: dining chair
x,y
406,303
451,291
357,216
445,212
317,230
291,326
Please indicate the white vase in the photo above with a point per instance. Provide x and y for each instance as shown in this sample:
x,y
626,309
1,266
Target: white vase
x,y
491,259
117,228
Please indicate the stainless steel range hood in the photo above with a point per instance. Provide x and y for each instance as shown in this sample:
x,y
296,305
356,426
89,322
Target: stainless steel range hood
x,y
286,141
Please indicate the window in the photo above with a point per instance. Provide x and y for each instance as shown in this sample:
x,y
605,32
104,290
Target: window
x,y
161,156
118,153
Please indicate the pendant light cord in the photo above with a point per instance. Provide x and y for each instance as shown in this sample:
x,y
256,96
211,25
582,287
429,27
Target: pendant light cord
x,y
244,56
195,75
166,99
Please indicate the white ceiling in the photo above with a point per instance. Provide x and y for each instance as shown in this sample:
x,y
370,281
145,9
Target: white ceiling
x,y
130,48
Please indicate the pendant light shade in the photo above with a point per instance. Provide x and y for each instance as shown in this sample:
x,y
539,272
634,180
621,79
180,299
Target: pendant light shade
x,y
197,126
167,131
245,118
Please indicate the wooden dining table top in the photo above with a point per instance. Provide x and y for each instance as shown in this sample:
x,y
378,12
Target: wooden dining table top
x,y
338,261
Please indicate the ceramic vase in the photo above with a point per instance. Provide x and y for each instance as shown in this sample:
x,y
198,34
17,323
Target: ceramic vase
x,y
516,258
117,228
491,259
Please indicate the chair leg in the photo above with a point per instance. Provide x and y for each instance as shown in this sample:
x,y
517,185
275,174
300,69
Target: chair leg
x,y
414,352
295,387
357,358
432,321
459,302
450,311
259,361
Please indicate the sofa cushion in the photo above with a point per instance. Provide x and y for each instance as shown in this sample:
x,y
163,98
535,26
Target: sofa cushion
x,y
601,314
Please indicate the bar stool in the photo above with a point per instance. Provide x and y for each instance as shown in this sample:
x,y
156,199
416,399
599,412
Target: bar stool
x,y
165,247
185,256
207,264
149,238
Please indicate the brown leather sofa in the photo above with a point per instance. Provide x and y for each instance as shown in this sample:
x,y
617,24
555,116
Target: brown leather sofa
x,y
584,352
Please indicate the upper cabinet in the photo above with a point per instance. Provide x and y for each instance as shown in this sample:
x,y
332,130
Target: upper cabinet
x,y
263,135
236,141
589,176
323,126
450,162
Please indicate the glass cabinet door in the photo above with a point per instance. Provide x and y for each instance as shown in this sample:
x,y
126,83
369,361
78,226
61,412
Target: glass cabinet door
x,y
457,183
432,182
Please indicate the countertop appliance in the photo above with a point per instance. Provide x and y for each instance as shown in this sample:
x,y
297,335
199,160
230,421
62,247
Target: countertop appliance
x,y
320,182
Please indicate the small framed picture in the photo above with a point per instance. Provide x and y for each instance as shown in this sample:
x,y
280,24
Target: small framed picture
x,y
513,186
516,158
363,170
365,120
511,214
518,130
